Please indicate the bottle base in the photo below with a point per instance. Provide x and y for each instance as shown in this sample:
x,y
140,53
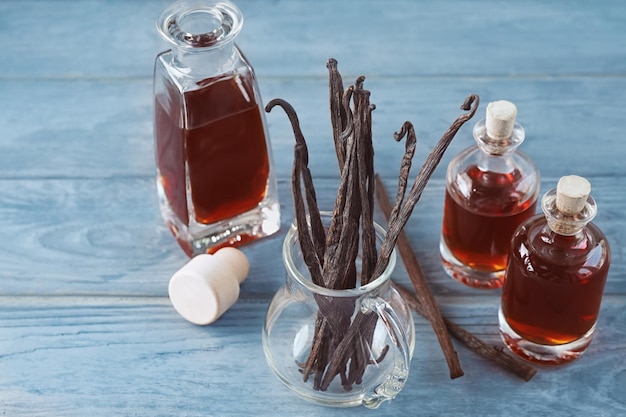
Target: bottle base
x,y
467,275
542,354
262,221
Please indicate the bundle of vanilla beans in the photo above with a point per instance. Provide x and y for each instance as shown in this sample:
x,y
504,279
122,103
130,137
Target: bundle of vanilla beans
x,y
342,338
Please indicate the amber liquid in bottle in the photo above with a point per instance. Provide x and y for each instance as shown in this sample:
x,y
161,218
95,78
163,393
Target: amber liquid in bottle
x,y
477,230
220,146
491,188
558,301
555,277
215,179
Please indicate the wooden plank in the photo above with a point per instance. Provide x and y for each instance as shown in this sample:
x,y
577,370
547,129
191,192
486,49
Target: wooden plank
x,y
74,40
531,38
135,356
105,128
430,38
105,236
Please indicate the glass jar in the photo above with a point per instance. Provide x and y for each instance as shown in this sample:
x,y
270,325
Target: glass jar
x,y
555,278
491,188
215,176
371,322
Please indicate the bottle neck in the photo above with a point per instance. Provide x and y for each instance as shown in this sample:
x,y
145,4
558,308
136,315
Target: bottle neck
x,y
498,146
203,63
202,35
500,164
556,239
563,223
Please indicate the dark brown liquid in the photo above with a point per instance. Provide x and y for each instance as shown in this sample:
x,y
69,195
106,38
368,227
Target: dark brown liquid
x,y
478,230
220,145
554,284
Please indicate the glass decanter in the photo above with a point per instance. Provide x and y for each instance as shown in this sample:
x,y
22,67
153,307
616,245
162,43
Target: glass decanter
x,y
215,176
491,188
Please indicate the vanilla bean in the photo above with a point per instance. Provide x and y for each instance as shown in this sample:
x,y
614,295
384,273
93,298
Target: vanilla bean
x,y
493,353
316,362
424,295
321,357
344,350
313,246
362,343
342,237
313,249
365,157
394,229
349,123
405,166
347,141
350,280
337,110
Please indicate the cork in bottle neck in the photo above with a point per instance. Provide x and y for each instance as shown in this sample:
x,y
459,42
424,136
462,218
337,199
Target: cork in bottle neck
x,y
499,133
569,207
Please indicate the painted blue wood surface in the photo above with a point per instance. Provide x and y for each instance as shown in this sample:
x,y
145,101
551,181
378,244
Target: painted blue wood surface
x,y
85,324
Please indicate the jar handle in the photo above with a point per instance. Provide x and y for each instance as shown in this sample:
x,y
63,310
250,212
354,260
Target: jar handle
x,y
394,383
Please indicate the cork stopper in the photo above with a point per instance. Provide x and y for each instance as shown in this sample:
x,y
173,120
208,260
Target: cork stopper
x,y
208,285
569,206
500,119
572,192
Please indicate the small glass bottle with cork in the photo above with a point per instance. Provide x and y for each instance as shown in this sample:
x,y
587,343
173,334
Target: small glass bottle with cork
x,y
491,188
555,277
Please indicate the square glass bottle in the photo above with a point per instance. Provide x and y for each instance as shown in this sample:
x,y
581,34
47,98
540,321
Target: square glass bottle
x,y
215,175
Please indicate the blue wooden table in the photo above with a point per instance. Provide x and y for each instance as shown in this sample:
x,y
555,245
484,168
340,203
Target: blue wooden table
x,y
86,327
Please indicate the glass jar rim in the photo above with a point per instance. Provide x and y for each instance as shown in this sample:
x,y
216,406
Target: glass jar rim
x,y
292,237
224,19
